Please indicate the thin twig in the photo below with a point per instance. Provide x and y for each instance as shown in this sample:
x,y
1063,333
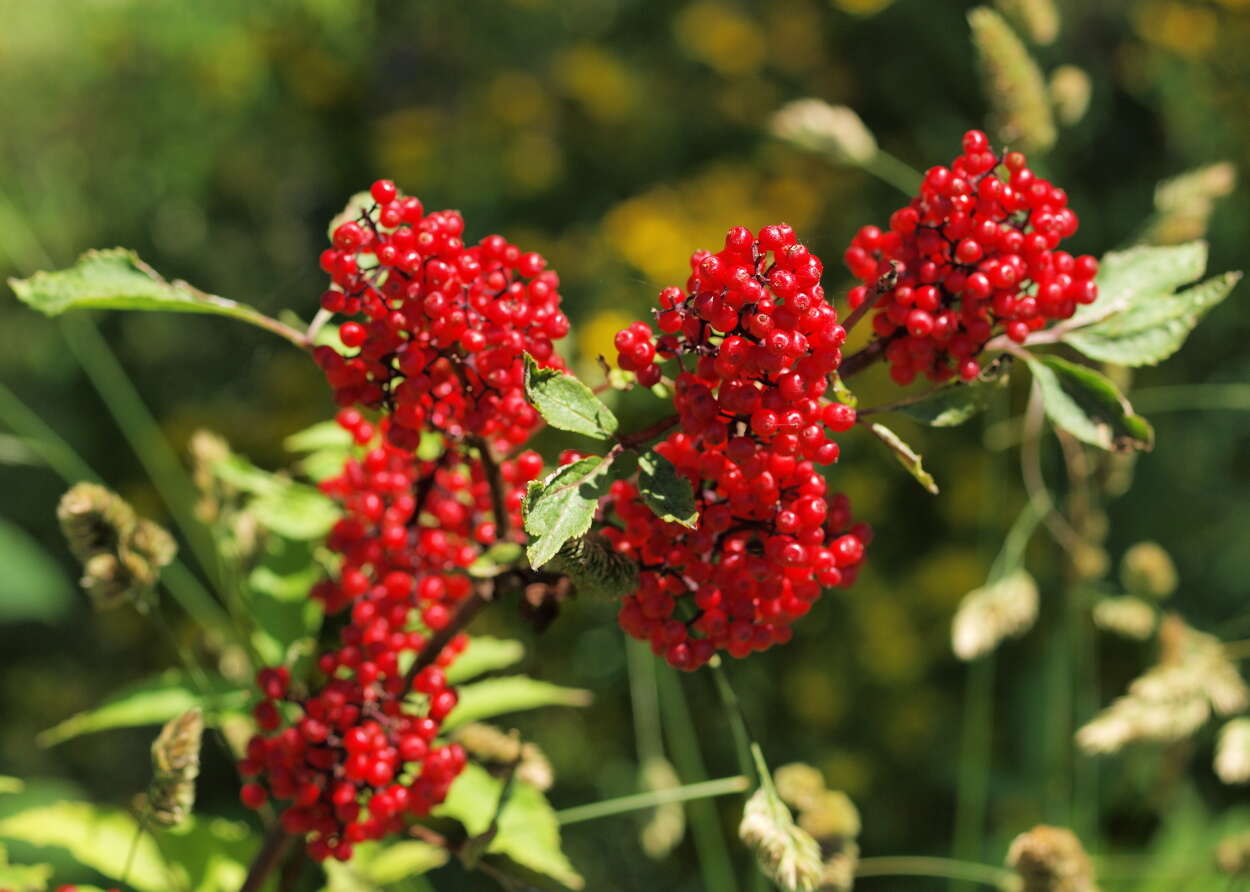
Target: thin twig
x,y
862,359
1035,483
503,522
649,433
276,841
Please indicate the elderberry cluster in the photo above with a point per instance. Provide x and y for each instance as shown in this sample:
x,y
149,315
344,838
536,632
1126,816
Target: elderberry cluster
x,y
443,325
756,342
972,255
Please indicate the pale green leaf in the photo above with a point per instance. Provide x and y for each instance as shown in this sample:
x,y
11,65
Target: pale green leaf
x,y
1137,274
513,693
562,506
954,404
567,403
907,457
150,702
667,493
1088,406
278,604
495,558
1149,331
33,586
322,435
485,654
375,866
116,279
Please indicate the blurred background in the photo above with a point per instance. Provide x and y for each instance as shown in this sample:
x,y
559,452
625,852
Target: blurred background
x,y
614,136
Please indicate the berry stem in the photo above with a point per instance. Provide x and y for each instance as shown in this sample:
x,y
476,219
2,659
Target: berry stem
x,y
649,433
503,523
862,359
275,843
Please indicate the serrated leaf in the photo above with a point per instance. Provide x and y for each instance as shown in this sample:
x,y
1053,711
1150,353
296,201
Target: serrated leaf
x,y
153,701
512,693
954,404
1132,276
907,457
562,507
33,586
1149,331
567,403
1088,406
485,654
116,279
527,838
667,493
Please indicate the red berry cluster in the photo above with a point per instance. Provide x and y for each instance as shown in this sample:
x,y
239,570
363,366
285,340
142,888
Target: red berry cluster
x,y
974,254
767,543
756,342
443,325
359,754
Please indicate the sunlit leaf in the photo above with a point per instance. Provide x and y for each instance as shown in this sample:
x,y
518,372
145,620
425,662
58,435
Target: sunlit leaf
x,y
567,403
513,693
1088,406
907,457
667,493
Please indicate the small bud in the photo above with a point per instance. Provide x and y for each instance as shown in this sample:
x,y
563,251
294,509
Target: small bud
x,y
1147,570
666,826
175,766
834,130
989,614
1051,859
1232,752
786,854
1070,91
1013,84
1127,616
1038,19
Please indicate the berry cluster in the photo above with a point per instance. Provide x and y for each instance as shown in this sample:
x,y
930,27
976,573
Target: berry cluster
x,y
443,324
755,425
974,254
359,754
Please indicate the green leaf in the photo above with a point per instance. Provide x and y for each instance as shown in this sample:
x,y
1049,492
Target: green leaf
x,y
153,701
375,866
205,855
526,843
485,654
281,505
23,877
1088,406
907,457
1134,276
667,493
954,404
322,435
116,279
596,568
495,558
1149,331
33,586
277,598
562,506
567,403
512,693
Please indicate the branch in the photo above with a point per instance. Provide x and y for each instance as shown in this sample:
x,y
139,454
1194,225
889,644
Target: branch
x,y
276,841
862,359
503,523
649,433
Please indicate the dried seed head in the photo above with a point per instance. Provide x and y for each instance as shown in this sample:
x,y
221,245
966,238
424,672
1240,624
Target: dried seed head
x,y
1184,204
1232,752
785,853
489,744
799,785
1051,859
993,612
1127,616
175,766
1147,570
832,816
833,130
1019,104
94,519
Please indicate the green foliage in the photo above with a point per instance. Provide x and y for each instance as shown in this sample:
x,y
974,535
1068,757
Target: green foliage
x,y
23,877
116,279
1133,276
33,586
526,842
279,504
562,506
953,404
1151,328
375,866
512,693
566,403
667,493
324,448
1088,406
908,457
485,654
596,568
153,701
203,856
276,595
